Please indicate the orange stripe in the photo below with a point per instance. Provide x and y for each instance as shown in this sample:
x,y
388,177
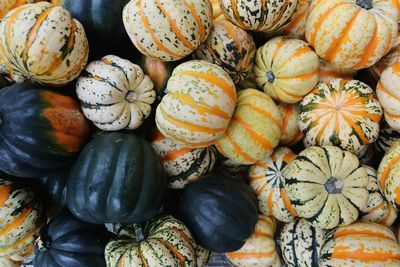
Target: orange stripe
x,y
4,194
302,76
238,150
357,128
364,114
247,255
269,199
174,251
15,244
186,143
256,177
354,232
397,193
335,74
379,207
362,255
385,172
286,116
287,203
386,91
17,222
299,52
174,154
263,112
370,48
158,136
299,17
197,19
236,14
11,23
254,135
184,237
278,47
396,67
261,234
289,157
384,221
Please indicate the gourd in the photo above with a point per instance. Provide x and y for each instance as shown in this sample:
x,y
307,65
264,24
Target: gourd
x,y
55,186
7,5
290,134
328,72
386,139
297,26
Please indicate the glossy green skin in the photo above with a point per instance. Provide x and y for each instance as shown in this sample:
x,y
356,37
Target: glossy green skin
x,y
55,186
116,179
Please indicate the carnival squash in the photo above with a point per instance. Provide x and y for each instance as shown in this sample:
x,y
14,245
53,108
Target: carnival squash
x,y
297,26
7,5
290,132
386,139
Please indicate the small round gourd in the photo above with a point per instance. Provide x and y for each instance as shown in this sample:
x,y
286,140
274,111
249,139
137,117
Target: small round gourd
x,y
297,26
328,72
386,139
291,133
287,69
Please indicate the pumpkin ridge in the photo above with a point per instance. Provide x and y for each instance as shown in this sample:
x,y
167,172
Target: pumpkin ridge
x,y
197,19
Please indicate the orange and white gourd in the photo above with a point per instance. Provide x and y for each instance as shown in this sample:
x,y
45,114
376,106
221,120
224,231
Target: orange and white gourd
x,y
268,183
7,5
167,30
254,130
297,26
115,94
217,12
328,72
352,34
287,69
342,113
396,3
291,133
43,43
199,104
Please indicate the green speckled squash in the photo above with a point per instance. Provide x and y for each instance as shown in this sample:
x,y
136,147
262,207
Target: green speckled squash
x,y
386,139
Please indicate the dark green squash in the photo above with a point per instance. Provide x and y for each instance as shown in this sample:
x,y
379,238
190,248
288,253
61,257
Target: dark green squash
x,y
67,241
221,212
3,82
116,179
55,187
40,130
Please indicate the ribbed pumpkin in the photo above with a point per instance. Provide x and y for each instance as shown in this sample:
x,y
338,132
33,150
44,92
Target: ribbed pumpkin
x,y
297,26
388,91
352,34
7,5
55,187
22,216
181,164
217,12
229,47
167,30
43,43
291,133
287,69
328,72
261,16
301,244
386,139
115,94
341,112
164,241
255,128
266,179
327,186
260,249
378,209
361,245
199,104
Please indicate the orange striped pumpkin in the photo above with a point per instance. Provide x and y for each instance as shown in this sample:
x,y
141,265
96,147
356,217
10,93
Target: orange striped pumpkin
x,y
342,113
217,12
198,106
260,249
352,34
328,72
254,131
297,27
362,245
287,69
291,133
167,30
268,183
43,43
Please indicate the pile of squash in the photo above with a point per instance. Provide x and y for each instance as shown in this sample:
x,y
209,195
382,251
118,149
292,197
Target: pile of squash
x,y
162,132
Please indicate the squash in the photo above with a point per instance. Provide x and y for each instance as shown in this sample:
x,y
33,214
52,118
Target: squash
x,y
43,43
362,245
327,186
41,131
198,106
328,72
254,130
116,179
260,16
343,113
232,168
217,12
229,47
165,241
7,5
265,177
167,30
260,249
297,26
386,139
287,69
55,187
290,134
181,164
378,209
115,94
352,34
220,212
67,241
301,243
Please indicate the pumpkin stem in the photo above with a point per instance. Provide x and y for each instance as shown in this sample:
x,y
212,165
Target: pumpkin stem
x,y
334,185
366,4
270,76
131,96
139,234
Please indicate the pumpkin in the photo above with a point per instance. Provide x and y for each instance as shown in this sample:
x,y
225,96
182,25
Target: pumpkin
x,y
199,104
229,47
181,164
352,34
260,249
41,131
116,179
261,16
388,92
266,179
217,12
22,216
328,72
7,5
220,212
297,26
343,113
327,186
290,132
67,241
55,186
43,43
287,69
301,243
362,245
386,139
115,94
377,210
167,30
255,128
165,241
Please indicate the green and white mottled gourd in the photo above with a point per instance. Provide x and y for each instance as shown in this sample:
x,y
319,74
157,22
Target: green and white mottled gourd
x,y
115,94
378,209
181,164
259,15
386,139
167,30
327,186
301,243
